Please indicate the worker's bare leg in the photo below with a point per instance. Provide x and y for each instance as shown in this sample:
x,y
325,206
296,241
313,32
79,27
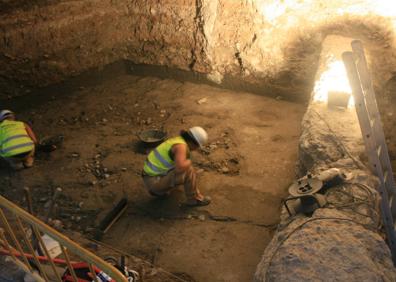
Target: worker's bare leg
x,y
189,179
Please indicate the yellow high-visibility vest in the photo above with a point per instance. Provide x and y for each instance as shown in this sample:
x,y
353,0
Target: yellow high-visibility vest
x,y
14,139
159,162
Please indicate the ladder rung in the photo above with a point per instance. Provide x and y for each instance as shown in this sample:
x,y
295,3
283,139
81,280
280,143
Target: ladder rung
x,y
379,151
373,122
373,136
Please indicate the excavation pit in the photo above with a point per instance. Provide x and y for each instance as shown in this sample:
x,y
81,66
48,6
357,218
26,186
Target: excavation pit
x,y
99,72
246,169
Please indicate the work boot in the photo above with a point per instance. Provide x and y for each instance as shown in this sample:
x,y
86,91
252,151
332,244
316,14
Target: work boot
x,y
199,202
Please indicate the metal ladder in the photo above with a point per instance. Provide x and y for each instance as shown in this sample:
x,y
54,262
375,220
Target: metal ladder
x,y
373,135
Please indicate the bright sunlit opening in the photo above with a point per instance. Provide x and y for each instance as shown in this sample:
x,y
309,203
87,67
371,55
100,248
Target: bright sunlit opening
x,y
273,11
333,79
276,11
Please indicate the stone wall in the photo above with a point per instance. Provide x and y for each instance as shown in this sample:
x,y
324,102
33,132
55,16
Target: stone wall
x,y
342,241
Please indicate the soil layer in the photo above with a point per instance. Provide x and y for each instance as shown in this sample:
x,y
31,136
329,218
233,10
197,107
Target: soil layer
x,y
246,169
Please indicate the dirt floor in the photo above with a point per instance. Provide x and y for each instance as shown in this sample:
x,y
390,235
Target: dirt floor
x,y
246,169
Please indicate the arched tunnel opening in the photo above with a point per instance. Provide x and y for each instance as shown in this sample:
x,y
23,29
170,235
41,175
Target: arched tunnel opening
x,y
92,77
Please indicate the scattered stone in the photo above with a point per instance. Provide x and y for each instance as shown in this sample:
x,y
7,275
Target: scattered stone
x,y
43,199
148,121
104,120
212,146
124,169
106,175
202,101
225,169
47,204
56,223
75,155
80,204
200,171
93,182
202,217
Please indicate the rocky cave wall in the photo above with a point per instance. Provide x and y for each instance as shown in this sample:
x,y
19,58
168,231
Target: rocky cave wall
x,y
273,51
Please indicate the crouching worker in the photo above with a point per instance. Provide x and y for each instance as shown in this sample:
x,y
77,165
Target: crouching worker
x,y
17,140
170,165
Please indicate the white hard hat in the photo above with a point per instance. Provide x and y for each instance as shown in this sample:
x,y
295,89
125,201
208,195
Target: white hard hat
x,y
4,114
199,134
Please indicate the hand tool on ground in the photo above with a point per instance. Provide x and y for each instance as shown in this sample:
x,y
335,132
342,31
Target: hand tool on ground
x,y
108,221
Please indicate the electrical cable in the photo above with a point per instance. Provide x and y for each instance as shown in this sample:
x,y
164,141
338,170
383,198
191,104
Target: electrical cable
x,y
354,203
358,163
369,201
370,195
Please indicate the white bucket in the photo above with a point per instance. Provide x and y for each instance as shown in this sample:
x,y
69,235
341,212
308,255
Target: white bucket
x,y
52,246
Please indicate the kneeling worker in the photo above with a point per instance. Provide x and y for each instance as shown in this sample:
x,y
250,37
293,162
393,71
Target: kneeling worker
x,y
17,140
169,165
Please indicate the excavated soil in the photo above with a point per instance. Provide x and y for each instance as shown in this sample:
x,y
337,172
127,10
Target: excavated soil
x,y
246,168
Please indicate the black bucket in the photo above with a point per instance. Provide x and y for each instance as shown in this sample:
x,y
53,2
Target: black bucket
x,y
152,137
